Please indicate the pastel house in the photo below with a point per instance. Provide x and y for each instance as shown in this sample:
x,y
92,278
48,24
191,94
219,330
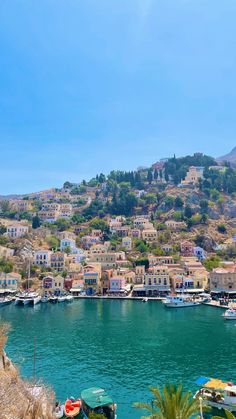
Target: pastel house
x,y
117,284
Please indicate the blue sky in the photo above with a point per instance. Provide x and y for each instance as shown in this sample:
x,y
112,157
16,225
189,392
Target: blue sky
x,y
87,86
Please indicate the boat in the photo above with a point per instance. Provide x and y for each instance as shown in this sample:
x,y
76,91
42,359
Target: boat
x,y
5,300
23,298
229,314
69,298
44,299
216,393
96,400
145,300
36,298
61,298
58,411
179,301
72,408
53,299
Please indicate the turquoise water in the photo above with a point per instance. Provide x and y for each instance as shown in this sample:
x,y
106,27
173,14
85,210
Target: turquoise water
x,y
122,346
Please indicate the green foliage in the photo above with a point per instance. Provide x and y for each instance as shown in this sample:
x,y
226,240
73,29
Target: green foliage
x,y
142,261
221,228
36,222
78,190
169,202
93,209
221,181
5,266
53,242
204,206
62,224
179,202
150,198
68,185
4,240
67,250
3,229
141,245
228,415
212,263
178,167
99,224
172,403
149,176
177,216
77,219
188,211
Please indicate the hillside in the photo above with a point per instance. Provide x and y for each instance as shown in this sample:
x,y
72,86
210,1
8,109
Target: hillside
x,y
230,157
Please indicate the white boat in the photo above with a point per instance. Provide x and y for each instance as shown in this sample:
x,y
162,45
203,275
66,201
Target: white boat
x,y
23,298
5,300
145,300
179,301
229,314
61,299
217,394
36,298
69,298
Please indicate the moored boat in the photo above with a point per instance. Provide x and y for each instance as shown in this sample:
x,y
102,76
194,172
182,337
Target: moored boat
x,y
23,298
229,314
53,299
72,408
96,400
145,300
69,298
61,298
5,301
179,301
217,394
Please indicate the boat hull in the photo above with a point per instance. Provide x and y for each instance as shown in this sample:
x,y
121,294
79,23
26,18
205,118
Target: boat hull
x,y
230,317
219,406
180,305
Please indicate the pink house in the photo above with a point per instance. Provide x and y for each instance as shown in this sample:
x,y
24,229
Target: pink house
x,y
117,284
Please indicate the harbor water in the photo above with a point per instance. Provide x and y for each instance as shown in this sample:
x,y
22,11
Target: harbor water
x,y
122,346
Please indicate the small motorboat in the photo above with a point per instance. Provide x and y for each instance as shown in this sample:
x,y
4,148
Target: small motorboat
x,y
58,411
61,298
69,298
229,314
44,299
53,299
72,407
145,300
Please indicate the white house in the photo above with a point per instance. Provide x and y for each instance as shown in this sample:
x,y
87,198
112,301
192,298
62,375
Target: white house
x,y
42,257
16,230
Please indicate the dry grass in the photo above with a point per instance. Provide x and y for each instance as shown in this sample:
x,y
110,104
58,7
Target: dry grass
x,y
16,398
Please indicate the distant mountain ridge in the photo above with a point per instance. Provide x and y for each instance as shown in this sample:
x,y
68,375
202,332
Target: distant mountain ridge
x,y
230,157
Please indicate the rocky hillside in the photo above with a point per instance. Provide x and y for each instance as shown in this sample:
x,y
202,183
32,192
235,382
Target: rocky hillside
x,y
230,157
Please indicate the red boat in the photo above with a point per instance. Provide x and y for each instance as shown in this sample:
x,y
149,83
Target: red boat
x,y
72,408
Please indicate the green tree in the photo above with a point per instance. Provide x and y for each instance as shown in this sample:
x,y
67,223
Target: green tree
x,y
3,229
36,222
149,176
212,263
179,202
221,228
188,211
62,224
99,224
172,403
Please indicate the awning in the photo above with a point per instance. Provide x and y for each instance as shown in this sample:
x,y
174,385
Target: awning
x,y
75,289
189,290
4,290
121,290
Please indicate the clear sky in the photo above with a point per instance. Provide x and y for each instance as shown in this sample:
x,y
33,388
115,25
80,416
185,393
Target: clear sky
x,y
87,86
